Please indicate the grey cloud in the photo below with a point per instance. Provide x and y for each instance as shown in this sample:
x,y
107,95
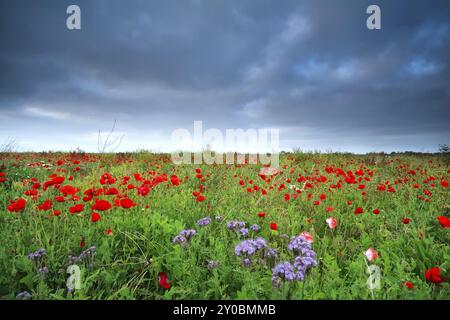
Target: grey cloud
x,y
159,65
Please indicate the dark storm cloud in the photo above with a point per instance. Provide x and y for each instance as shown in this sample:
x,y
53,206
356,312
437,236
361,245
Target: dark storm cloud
x,y
310,68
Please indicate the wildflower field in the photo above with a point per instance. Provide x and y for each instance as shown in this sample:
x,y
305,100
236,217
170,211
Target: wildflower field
x,y
140,227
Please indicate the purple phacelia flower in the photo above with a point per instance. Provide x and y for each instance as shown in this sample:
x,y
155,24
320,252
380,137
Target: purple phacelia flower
x,y
305,262
255,228
249,247
260,243
255,247
247,262
243,232
87,255
213,264
300,245
246,247
235,225
271,254
34,256
302,263
184,236
283,271
204,221
189,233
43,271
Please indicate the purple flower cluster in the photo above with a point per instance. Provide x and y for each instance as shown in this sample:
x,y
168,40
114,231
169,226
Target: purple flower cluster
x,y
37,255
286,271
252,247
244,232
255,228
239,227
43,271
302,264
235,225
301,246
37,258
204,221
184,236
271,254
213,264
87,254
247,262
283,271
249,247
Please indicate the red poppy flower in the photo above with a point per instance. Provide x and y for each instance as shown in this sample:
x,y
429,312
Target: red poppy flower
x,y
54,181
434,275
111,191
95,217
143,191
47,205
274,226
76,208
174,179
163,280
359,210
444,183
408,284
101,205
31,192
261,214
406,220
59,199
109,232
201,198
444,221
68,190
17,206
376,211
127,203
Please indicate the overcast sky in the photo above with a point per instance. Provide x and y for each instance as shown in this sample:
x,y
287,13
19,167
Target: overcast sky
x,y
311,69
